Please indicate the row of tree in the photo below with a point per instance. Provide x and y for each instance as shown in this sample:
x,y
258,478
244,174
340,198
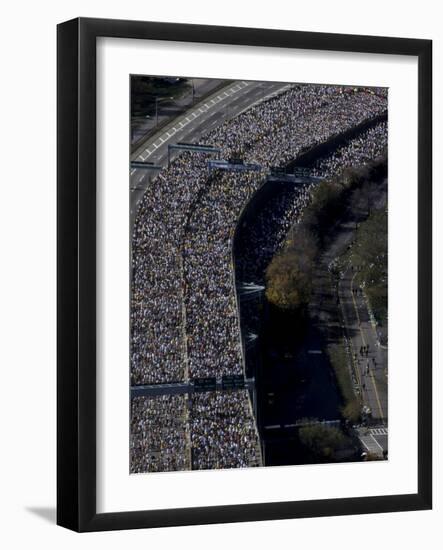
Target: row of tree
x,y
289,274
369,254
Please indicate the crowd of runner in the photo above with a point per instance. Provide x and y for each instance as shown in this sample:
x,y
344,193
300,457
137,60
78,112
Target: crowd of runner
x,y
269,229
184,315
157,337
223,431
212,324
272,133
159,438
209,430
367,146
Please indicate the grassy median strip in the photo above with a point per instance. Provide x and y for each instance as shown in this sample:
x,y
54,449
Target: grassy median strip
x,y
339,361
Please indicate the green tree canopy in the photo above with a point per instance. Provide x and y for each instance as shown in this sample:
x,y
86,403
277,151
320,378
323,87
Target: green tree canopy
x,y
288,281
370,256
322,441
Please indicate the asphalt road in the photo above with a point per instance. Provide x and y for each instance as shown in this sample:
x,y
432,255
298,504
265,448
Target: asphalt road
x,y
171,109
352,316
191,125
371,368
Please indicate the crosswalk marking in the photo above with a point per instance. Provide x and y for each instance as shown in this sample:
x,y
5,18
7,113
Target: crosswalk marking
x,y
370,443
379,431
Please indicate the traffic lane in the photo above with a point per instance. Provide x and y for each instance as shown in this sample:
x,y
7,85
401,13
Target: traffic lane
x,y
228,107
202,88
362,334
175,109
194,130
178,125
368,365
141,178
197,114
376,394
249,96
207,122
382,440
379,355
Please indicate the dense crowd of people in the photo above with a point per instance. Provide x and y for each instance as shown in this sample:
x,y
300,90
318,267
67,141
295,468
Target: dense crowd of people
x,y
209,430
184,315
260,240
157,337
271,133
265,236
223,431
159,434
212,326
367,146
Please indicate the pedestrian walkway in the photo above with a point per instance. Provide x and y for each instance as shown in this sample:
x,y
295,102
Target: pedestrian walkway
x,y
369,359
370,444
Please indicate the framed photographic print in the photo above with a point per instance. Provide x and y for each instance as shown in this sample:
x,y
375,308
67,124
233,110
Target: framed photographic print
x,y
244,274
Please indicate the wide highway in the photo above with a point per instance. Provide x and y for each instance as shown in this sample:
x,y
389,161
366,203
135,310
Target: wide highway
x,y
211,112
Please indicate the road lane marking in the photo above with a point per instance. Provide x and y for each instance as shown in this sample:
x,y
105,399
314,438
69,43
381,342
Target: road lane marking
x,y
377,443
376,394
355,367
195,114
364,344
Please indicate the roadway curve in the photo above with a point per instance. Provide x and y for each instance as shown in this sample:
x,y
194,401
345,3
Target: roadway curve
x,y
193,124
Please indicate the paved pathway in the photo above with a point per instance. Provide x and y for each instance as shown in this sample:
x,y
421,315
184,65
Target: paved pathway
x,y
370,365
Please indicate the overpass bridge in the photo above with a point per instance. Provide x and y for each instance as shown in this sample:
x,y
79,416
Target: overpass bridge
x,y
193,386
301,424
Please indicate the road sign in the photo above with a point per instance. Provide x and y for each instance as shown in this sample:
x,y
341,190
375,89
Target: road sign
x,y
233,166
205,384
233,382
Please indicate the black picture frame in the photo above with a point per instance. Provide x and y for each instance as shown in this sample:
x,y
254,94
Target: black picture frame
x,y
76,274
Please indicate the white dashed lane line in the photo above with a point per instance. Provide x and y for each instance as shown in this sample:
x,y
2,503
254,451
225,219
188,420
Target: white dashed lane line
x,y
203,109
377,443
